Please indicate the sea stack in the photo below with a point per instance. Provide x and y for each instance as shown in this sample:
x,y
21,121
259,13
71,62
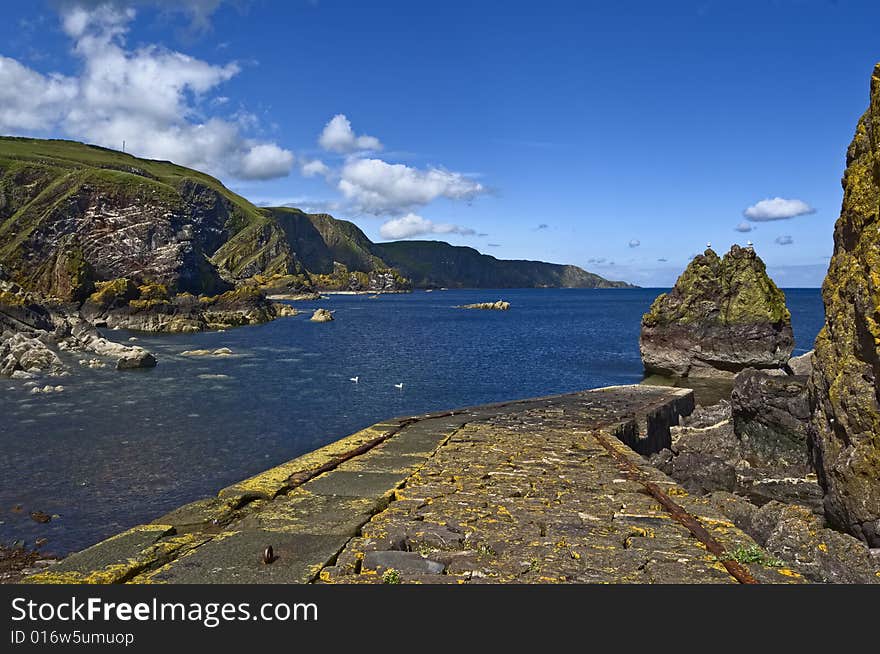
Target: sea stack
x,y
844,390
722,316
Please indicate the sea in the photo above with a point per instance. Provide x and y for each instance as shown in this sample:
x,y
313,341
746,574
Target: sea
x,y
118,448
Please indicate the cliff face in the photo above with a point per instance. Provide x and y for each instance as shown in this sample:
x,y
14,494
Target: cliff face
x,y
71,215
845,383
436,264
722,316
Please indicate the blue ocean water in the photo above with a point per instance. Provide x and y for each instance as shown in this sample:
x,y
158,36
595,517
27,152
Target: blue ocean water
x,y
117,449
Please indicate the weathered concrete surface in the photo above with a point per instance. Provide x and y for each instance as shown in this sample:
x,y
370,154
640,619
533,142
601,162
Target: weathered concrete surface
x,y
516,492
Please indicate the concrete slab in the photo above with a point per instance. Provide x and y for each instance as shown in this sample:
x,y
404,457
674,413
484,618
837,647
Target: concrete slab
x,y
351,483
236,559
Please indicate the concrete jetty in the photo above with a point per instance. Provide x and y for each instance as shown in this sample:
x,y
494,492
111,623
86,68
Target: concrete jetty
x,y
547,490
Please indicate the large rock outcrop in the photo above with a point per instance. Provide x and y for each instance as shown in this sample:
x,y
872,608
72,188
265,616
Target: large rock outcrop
x,y
845,383
722,316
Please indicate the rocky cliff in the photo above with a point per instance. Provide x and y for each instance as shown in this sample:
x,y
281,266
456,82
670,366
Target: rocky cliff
x,y
723,315
73,216
845,383
434,264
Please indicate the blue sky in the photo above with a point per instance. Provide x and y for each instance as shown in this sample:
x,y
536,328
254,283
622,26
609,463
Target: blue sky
x,y
620,137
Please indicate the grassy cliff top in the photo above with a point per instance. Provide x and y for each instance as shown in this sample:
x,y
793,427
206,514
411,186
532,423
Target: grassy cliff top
x,y
103,165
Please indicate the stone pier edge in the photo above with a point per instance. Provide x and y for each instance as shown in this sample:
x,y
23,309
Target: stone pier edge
x,y
138,553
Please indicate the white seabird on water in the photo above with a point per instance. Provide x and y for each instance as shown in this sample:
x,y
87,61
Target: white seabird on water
x,y
399,386
354,379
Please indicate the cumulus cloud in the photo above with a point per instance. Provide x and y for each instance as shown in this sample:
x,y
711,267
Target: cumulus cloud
x,y
777,209
744,227
314,168
413,225
150,97
783,240
29,100
378,187
264,161
338,136
634,243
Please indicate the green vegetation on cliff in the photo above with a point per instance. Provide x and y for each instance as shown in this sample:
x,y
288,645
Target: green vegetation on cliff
x,y
190,231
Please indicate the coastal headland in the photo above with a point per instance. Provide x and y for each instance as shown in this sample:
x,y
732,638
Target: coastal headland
x,y
537,491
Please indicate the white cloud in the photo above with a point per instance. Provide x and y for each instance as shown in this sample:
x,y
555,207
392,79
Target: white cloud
x,y
265,161
783,240
777,209
29,100
151,98
412,225
744,227
634,243
378,187
338,136
198,11
314,168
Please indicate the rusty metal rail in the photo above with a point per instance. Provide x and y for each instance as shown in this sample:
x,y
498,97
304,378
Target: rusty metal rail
x,y
693,525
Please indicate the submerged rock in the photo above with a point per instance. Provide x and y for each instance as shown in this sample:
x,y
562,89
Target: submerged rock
x,y
219,352
845,381
500,305
322,315
722,316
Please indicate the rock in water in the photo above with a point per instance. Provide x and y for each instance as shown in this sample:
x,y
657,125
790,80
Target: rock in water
x,y
321,315
500,305
136,359
845,383
722,316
